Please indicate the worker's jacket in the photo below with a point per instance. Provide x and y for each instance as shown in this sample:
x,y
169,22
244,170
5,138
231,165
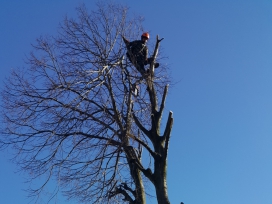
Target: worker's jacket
x,y
139,50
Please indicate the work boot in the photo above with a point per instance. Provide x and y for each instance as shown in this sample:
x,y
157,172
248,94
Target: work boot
x,y
150,60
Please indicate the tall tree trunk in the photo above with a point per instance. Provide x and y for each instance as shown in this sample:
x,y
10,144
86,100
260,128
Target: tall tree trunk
x,y
136,175
160,181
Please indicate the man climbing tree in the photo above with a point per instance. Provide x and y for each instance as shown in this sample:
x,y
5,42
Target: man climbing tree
x,y
138,52
71,115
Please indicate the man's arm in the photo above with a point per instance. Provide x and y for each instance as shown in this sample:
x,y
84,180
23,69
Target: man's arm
x,y
146,53
125,40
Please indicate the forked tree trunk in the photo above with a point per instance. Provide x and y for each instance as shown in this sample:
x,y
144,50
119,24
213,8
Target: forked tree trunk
x,y
137,177
160,181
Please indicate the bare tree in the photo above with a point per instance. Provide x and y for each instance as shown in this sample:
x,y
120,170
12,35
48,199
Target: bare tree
x,y
73,114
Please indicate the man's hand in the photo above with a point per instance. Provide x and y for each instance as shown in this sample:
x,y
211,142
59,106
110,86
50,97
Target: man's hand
x,y
125,40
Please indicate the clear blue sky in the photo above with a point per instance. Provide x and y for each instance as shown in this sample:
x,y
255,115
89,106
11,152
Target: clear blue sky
x,y
220,55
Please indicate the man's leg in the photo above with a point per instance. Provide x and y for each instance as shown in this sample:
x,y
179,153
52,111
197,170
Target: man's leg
x,y
140,65
149,60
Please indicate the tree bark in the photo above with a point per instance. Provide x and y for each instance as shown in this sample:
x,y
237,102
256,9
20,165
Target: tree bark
x,y
136,175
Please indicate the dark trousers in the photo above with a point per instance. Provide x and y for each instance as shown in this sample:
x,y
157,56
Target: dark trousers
x,y
140,62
